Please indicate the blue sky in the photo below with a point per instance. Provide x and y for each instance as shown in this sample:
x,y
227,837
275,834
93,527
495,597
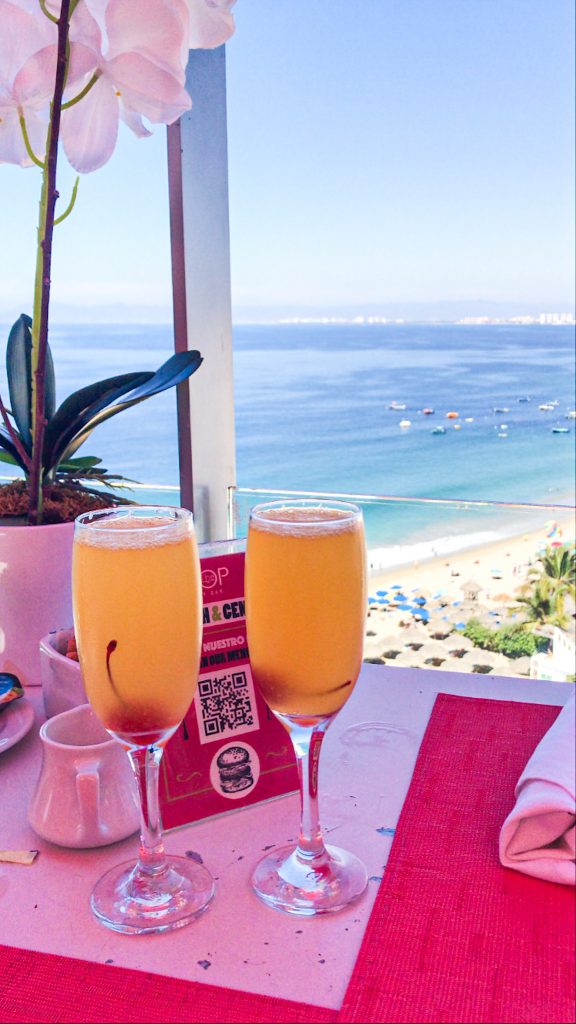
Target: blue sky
x,y
383,154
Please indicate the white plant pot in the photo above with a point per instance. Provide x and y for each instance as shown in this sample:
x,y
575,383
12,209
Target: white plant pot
x,y
35,593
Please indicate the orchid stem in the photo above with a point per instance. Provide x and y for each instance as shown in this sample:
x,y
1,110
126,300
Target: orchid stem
x,y
26,138
71,204
82,93
48,198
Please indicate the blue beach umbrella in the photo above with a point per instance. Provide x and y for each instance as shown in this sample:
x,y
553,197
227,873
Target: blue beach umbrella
x,y
396,587
381,593
420,601
405,607
383,600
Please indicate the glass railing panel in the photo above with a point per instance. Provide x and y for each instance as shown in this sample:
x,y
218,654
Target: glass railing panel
x,y
461,585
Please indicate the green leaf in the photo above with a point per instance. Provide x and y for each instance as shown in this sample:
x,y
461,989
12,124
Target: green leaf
x,y
84,462
77,409
8,446
6,457
19,373
175,370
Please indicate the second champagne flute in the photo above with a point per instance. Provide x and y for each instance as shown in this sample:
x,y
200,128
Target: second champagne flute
x,y
305,613
138,623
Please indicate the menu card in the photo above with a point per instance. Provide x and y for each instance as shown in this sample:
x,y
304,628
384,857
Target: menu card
x,y
230,751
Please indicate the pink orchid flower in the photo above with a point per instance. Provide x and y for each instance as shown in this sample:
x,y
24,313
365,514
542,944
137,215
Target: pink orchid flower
x,y
211,23
139,57
25,88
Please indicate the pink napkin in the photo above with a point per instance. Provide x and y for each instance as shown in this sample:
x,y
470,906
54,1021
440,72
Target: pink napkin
x,y
539,835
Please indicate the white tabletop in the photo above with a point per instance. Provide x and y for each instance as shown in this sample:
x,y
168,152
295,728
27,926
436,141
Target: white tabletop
x,y
367,762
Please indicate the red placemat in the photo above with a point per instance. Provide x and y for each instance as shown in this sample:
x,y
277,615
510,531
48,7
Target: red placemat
x,y
46,989
454,936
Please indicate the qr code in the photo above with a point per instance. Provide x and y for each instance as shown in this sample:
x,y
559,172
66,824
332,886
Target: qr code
x,y
226,704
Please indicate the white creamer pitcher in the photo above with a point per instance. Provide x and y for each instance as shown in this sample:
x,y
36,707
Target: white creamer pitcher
x,y
86,794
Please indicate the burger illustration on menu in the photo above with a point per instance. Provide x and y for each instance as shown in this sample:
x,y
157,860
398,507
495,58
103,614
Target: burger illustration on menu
x,y
234,769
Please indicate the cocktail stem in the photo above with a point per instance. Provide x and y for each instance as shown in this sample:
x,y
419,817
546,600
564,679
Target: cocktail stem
x,y
307,741
146,764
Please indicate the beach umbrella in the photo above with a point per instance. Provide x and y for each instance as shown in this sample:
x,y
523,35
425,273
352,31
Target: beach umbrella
x,y
459,646
414,635
484,661
390,644
406,659
381,593
373,647
421,615
419,601
432,651
471,590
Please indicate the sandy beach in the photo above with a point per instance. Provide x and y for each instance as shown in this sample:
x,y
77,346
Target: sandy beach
x,y
481,582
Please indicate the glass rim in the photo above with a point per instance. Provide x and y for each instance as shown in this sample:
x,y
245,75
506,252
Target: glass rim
x,y
170,514
354,512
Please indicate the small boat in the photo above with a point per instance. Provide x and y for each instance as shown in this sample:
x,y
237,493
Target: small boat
x,y
452,415
546,407
502,433
457,426
439,430
500,409
571,415
398,406
427,412
560,430
469,419
526,398
405,423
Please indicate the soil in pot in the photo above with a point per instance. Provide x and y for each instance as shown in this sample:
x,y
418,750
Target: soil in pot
x,y
61,503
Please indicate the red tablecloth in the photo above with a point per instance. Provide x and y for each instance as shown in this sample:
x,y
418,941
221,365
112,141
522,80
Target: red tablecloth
x,y
453,936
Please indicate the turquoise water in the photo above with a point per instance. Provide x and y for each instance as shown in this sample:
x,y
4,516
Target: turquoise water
x,y
313,411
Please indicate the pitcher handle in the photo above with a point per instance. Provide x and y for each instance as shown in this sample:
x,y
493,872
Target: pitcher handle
x,y
88,790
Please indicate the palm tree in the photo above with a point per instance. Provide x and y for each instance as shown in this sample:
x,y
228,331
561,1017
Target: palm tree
x,y
549,583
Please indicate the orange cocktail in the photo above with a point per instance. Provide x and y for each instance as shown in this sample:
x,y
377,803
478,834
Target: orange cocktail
x,y
305,615
137,613
306,606
138,620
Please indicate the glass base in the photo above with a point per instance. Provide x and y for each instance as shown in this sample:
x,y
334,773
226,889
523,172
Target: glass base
x,y
131,902
287,881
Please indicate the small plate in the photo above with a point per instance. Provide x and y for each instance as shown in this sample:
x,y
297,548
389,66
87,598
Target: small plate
x,y
15,722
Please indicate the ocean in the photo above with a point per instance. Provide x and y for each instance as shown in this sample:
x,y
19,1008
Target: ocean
x,y
313,413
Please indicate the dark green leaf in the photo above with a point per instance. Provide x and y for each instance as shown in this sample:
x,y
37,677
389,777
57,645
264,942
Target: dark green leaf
x,y
6,457
175,370
19,373
77,409
7,444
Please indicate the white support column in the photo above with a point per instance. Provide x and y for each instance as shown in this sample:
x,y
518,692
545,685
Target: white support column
x,y
198,174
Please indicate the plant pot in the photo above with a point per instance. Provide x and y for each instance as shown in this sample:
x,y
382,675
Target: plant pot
x,y
35,593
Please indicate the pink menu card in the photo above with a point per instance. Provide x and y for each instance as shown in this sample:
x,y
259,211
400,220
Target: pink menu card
x,y
230,751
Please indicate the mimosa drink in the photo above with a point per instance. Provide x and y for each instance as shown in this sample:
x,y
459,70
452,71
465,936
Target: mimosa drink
x,y
138,621
138,614
305,614
306,606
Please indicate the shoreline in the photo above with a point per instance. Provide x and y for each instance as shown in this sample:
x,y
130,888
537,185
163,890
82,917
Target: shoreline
x,y
480,581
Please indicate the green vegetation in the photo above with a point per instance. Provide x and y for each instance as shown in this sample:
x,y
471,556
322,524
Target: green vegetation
x,y
550,583
513,641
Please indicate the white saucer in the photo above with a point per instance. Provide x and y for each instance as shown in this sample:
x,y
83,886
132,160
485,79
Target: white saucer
x,y
15,722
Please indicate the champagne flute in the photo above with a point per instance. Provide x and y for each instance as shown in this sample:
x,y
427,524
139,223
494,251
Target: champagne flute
x,y
305,611
138,622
